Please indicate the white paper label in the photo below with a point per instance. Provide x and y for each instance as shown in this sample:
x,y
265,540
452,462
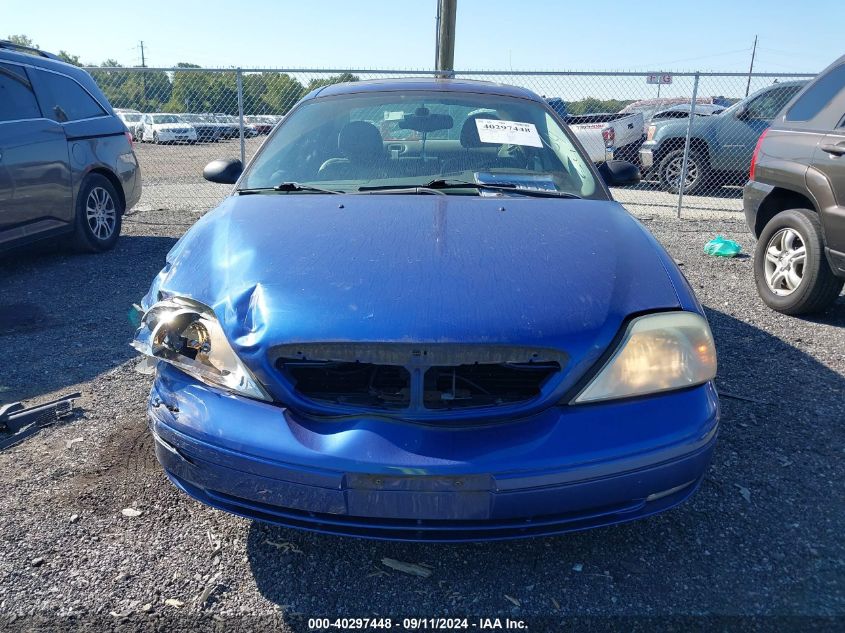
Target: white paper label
x,y
508,132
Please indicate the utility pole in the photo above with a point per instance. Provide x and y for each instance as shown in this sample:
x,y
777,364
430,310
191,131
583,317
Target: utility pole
x,y
143,74
437,37
751,67
444,57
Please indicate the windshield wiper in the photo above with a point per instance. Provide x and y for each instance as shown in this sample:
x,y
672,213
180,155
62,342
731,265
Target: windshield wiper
x,y
286,187
437,185
413,189
295,186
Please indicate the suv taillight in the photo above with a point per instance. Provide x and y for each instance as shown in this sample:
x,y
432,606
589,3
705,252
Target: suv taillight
x,y
129,138
609,136
753,168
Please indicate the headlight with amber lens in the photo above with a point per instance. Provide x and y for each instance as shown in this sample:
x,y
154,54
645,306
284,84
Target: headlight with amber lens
x,y
659,352
650,132
186,334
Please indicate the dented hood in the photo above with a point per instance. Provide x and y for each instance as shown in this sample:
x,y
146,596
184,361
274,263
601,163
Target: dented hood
x,y
551,273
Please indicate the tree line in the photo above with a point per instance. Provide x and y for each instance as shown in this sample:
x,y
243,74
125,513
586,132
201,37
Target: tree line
x,y
195,90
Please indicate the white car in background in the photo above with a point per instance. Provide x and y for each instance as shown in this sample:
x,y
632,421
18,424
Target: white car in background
x,y
131,119
163,127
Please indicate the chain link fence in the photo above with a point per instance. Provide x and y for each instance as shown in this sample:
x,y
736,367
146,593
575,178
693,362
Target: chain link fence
x,y
182,118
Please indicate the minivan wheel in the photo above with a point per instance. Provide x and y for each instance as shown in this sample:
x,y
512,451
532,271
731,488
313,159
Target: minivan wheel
x,y
99,212
698,171
790,268
155,138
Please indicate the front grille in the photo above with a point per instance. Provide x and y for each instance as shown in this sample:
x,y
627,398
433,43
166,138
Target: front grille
x,y
422,379
481,385
357,384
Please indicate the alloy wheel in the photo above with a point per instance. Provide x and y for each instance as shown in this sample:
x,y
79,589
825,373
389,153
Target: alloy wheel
x,y
785,257
673,169
100,213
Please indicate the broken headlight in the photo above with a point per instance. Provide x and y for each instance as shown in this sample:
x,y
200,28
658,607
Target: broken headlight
x,y
187,335
659,352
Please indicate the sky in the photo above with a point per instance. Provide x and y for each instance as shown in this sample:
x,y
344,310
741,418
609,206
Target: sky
x,y
715,35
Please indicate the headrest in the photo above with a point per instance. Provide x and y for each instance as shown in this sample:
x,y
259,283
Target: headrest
x,y
360,140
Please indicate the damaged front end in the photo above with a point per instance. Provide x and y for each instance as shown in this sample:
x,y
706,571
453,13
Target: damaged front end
x,y
186,334
415,380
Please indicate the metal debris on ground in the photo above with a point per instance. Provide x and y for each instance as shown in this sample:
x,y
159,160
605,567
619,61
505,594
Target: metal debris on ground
x,y
69,443
284,548
513,600
210,588
18,422
216,543
745,492
406,568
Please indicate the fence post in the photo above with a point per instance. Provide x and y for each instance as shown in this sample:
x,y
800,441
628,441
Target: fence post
x,y
241,113
686,145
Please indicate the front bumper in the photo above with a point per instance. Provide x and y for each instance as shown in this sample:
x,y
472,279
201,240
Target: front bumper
x,y
647,151
567,468
171,137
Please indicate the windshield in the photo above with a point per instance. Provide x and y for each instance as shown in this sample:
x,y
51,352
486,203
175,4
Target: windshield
x,y
165,118
411,138
131,118
193,118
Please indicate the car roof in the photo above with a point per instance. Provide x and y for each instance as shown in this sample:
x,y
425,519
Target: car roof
x,y
40,59
777,84
433,84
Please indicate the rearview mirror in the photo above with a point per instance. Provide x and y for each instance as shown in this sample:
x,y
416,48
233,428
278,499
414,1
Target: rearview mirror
x,y
226,171
619,172
424,121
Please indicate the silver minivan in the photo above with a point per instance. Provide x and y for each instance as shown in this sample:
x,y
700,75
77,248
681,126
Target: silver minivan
x,y
67,166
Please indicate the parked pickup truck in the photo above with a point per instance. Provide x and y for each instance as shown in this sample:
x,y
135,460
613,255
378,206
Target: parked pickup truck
x,y
605,135
720,145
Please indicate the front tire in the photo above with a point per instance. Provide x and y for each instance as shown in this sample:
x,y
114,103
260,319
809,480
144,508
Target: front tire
x,y
790,268
698,171
155,138
99,213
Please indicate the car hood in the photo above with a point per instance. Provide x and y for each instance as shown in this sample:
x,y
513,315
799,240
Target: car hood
x,y
674,127
534,272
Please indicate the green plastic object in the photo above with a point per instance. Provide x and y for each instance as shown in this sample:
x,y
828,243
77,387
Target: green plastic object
x,y
721,247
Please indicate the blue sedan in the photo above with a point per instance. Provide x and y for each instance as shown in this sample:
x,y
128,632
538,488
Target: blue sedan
x,y
420,315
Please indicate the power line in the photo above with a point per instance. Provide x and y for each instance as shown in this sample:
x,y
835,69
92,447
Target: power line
x,y
690,59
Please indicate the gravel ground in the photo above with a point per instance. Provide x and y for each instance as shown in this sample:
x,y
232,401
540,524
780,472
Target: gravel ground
x,y
762,537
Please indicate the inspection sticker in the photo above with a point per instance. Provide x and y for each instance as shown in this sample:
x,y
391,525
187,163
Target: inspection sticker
x,y
508,132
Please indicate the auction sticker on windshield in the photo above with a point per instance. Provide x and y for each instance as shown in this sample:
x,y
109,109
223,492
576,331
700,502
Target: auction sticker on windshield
x,y
508,132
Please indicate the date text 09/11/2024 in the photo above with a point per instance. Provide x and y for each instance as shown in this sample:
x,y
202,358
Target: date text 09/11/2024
x,y
416,624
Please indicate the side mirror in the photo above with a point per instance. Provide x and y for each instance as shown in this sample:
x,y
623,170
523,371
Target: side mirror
x,y
742,114
619,172
226,171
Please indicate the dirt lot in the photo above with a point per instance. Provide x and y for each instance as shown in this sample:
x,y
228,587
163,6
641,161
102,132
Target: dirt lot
x,y
763,536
